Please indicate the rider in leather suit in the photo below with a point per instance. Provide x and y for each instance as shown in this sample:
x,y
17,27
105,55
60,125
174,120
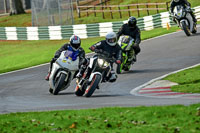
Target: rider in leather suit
x,y
109,46
185,4
132,30
74,45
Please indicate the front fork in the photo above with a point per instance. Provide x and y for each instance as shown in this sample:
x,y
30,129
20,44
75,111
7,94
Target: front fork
x,y
125,59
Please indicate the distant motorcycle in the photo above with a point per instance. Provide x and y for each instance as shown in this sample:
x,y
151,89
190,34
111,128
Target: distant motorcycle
x,y
98,71
63,71
126,43
184,20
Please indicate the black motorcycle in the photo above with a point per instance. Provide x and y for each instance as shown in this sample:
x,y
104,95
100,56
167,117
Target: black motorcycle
x,y
98,71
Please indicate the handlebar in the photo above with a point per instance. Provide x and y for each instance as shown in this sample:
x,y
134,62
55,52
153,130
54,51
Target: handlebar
x,y
105,55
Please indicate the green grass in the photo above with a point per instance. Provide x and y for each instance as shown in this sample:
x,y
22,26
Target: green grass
x,y
188,80
21,54
22,20
165,119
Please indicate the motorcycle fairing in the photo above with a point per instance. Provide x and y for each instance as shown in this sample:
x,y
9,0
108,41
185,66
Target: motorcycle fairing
x,y
67,62
125,42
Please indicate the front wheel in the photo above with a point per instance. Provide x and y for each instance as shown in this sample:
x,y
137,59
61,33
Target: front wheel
x,y
59,83
93,85
185,28
119,68
79,92
195,29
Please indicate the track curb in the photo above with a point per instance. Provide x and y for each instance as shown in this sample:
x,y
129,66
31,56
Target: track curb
x,y
149,83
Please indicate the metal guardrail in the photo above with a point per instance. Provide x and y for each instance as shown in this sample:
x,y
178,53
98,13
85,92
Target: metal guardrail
x,y
84,30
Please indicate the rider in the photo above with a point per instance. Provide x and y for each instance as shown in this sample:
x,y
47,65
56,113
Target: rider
x,y
185,4
110,46
75,46
131,29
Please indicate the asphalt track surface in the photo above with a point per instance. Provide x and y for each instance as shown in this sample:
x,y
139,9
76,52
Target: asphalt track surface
x,y
27,90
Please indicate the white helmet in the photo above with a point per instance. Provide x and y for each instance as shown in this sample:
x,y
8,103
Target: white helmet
x,y
111,38
176,0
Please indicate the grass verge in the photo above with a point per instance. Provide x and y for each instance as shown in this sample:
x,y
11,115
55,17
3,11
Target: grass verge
x,y
165,119
188,80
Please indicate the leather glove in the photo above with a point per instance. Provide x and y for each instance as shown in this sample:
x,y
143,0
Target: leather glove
x,y
118,61
92,48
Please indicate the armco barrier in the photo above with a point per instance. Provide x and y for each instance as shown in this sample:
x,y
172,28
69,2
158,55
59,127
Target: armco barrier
x,y
84,30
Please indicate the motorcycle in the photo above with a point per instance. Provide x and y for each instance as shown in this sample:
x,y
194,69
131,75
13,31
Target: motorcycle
x,y
98,71
63,71
126,43
184,19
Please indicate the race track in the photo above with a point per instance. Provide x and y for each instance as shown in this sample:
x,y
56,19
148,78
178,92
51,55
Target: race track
x,y
27,90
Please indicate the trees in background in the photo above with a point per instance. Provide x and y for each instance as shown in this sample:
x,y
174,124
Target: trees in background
x,y
16,7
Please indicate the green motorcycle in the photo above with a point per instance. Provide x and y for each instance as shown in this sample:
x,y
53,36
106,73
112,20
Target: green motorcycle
x,y
126,43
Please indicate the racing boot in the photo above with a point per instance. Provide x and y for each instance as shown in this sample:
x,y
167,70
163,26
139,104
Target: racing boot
x,y
113,76
131,57
81,71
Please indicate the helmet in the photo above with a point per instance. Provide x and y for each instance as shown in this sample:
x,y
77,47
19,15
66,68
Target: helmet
x,y
132,21
111,38
176,0
75,42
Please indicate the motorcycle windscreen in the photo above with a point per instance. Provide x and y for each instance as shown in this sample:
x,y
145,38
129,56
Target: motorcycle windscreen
x,y
126,42
178,11
69,59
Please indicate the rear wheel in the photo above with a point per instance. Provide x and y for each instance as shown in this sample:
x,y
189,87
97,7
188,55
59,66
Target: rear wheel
x,y
185,28
59,83
93,85
127,68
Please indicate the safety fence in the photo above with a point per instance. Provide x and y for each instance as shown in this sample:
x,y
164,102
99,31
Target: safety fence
x,y
84,30
119,9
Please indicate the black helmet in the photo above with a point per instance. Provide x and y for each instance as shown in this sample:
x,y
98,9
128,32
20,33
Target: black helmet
x,y
132,21
176,0
75,42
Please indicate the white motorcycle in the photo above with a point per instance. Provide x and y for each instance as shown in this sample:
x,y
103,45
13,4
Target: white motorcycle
x,y
184,20
63,71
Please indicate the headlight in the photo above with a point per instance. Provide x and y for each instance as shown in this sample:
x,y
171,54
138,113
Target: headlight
x,y
103,63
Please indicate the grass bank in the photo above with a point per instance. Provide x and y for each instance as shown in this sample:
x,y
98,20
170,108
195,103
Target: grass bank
x,y
188,80
165,119
21,54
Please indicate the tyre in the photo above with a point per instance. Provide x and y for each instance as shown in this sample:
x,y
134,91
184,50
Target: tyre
x,y
127,68
78,91
185,28
93,85
59,83
194,30
51,90
119,68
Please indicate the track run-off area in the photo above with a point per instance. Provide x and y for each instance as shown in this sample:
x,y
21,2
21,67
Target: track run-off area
x,y
26,90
